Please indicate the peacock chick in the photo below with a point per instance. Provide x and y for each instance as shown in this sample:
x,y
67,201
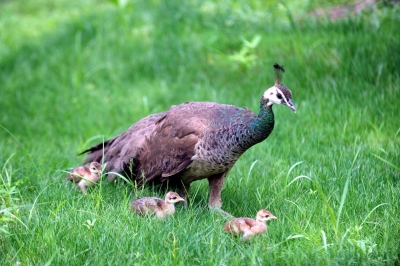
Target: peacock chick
x,y
85,176
151,205
247,227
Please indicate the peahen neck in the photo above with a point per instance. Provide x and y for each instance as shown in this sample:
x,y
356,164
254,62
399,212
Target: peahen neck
x,y
245,130
260,128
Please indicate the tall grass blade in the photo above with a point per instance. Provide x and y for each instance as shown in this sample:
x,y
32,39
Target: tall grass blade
x,y
294,166
251,168
376,207
328,207
387,162
342,201
324,241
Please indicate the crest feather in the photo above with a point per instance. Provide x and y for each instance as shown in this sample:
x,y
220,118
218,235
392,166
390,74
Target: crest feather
x,y
279,70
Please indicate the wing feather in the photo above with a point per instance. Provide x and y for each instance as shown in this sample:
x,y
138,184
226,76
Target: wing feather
x,y
162,145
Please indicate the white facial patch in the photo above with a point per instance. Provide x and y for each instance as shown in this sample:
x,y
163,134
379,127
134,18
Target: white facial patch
x,y
275,95
268,93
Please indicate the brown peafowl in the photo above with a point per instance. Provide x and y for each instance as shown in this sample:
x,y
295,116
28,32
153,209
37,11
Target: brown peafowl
x,y
246,227
161,208
85,176
191,141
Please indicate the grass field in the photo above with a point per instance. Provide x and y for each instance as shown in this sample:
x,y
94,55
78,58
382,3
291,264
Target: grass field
x,y
73,73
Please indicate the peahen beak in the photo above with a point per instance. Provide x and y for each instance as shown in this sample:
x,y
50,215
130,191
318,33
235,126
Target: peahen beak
x,y
291,105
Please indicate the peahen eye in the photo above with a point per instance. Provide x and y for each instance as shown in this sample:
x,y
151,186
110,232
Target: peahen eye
x,y
279,96
266,216
174,198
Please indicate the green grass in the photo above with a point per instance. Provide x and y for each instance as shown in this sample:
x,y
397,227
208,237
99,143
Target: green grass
x,y
75,72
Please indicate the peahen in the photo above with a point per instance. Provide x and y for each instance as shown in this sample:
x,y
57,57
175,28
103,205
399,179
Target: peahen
x,y
190,141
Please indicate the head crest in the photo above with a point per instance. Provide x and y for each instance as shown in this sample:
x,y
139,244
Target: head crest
x,y
278,73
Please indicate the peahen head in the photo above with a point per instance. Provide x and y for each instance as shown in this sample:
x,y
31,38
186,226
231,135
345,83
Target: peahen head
x,y
278,94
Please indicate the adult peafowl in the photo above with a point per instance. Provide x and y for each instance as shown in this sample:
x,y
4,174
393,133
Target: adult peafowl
x,y
191,141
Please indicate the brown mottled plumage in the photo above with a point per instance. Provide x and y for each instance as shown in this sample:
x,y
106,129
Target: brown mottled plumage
x,y
247,227
162,208
190,141
85,176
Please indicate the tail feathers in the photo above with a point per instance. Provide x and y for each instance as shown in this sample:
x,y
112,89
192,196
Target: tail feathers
x,y
94,156
96,152
97,147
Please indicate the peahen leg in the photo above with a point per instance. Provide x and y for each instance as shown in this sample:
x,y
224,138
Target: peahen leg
x,y
214,201
215,182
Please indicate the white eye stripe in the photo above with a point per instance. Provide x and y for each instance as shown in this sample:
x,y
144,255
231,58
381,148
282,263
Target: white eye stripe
x,y
282,95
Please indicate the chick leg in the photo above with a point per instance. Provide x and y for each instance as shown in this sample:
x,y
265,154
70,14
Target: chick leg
x,y
83,185
247,235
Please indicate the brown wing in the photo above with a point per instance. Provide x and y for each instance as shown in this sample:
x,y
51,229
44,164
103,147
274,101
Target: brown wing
x,y
76,174
239,225
170,148
247,222
119,150
147,205
162,145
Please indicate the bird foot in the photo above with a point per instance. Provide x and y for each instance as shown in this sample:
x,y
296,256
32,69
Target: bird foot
x,y
221,211
111,177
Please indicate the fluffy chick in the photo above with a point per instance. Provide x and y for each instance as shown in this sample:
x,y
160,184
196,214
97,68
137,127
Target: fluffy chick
x,y
85,176
247,227
150,205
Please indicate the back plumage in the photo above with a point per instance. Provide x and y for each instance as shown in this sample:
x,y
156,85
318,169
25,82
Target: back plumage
x,y
190,141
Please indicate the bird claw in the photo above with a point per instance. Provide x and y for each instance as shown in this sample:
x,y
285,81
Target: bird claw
x,y
221,211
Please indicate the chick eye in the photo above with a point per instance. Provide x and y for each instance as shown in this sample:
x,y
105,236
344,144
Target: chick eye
x,y
266,216
279,96
173,197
